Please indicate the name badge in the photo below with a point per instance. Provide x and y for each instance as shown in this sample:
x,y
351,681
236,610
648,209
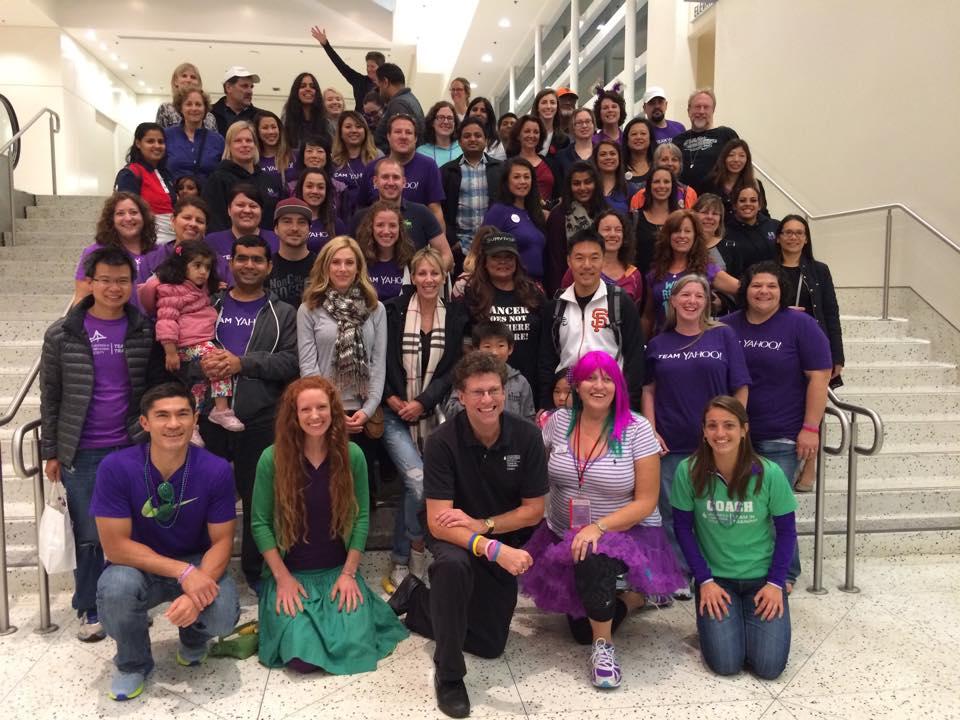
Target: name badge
x,y
579,513
515,218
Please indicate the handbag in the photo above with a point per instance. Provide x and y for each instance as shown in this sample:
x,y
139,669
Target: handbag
x,y
55,545
243,642
373,428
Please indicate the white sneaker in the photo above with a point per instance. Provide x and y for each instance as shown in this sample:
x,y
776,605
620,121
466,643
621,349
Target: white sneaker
x,y
392,581
418,563
90,632
605,671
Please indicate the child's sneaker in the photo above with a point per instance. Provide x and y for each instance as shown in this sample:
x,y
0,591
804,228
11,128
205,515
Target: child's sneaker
x,y
91,630
392,581
195,439
603,664
227,420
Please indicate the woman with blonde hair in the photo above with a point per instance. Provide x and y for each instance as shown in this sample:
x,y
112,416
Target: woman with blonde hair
x,y
310,519
184,75
342,330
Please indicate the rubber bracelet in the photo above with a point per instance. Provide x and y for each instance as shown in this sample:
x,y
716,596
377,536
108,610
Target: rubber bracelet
x,y
186,571
474,540
492,549
496,554
811,428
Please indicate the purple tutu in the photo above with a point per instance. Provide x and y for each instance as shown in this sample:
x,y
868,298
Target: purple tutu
x,y
651,566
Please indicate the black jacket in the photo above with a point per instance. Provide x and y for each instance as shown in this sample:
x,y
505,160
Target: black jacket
x,y
450,177
218,185
269,363
226,117
744,245
816,276
360,83
396,380
66,378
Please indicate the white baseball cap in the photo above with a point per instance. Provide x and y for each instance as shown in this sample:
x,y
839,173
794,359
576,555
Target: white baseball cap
x,y
654,92
238,71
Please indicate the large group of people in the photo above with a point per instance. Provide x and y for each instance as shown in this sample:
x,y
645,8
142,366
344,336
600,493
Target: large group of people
x,y
595,365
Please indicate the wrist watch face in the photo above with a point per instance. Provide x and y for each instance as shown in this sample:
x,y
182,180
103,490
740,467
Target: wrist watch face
x,y
489,523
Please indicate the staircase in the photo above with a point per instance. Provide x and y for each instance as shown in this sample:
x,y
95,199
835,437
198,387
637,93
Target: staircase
x,y
909,494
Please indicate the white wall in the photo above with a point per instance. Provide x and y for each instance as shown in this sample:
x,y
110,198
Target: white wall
x,y
848,105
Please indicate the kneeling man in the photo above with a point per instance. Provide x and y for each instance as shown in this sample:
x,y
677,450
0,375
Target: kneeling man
x,y
166,513
484,480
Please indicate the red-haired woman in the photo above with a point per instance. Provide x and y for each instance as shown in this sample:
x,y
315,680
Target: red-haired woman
x,y
310,521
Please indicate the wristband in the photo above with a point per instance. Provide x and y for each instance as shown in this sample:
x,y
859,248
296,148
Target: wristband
x,y
811,428
186,571
474,540
492,550
496,553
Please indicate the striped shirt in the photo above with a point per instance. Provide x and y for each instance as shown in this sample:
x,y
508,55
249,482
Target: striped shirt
x,y
473,202
608,482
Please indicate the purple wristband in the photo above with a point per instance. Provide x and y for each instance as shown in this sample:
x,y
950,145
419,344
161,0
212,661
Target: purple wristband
x,y
187,570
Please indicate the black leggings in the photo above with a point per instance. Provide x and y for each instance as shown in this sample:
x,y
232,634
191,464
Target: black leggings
x,y
595,579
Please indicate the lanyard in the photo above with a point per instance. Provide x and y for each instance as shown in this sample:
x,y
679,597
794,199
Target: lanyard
x,y
582,467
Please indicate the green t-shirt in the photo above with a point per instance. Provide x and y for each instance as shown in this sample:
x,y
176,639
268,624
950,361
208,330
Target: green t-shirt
x,y
736,538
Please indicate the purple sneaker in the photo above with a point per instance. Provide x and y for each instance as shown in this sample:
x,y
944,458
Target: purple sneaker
x,y
603,665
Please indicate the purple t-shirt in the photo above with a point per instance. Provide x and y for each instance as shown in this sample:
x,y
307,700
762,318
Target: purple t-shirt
x,y
386,277
235,326
222,244
663,135
318,235
421,184
351,174
106,422
661,289
530,239
688,373
126,487
778,352
321,551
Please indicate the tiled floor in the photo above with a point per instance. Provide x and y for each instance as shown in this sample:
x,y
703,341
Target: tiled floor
x,y
889,652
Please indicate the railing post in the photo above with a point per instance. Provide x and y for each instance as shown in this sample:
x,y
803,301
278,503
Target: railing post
x,y
43,582
13,198
54,129
5,627
817,587
887,249
848,586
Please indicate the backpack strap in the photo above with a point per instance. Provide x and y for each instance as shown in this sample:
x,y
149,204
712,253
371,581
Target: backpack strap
x,y
615,295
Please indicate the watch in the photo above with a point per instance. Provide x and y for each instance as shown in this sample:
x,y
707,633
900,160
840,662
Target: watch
x,y
603,528
489,522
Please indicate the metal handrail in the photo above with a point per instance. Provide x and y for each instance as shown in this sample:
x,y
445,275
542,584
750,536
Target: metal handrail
x,y
35,471
17,400
54,129
819,520
888,208
855,450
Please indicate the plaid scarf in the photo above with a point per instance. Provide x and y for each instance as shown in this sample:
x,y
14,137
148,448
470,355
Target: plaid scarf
x,y
350,362
419,377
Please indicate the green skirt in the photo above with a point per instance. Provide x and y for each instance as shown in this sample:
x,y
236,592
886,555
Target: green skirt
x,y
341,643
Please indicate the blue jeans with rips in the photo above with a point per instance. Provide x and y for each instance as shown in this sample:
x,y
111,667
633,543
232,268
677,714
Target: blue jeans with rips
x,y
125,594
742,638
405,455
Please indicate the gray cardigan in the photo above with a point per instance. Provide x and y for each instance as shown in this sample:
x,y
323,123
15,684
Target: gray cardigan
x,y
316,336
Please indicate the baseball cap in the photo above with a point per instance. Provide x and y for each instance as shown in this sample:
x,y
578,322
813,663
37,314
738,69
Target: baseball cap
x,y
292,206
566,91
500,242
654,92
238,71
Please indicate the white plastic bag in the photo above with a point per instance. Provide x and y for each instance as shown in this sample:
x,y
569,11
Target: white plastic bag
x,y
55,538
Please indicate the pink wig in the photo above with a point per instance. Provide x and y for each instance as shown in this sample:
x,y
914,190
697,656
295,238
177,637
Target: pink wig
x,y
620,411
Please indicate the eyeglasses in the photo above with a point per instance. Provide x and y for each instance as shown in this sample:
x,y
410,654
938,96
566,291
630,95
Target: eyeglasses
x,y
794,233
494,393
447,119
119,282
583,123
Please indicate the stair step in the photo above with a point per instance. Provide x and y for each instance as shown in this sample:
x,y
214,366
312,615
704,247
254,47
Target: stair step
x,y
898,374
30,410
889,503
932,521
881,544
72,200
61,239
17,330
901,429
19,351
903,349
910,398
12,377
69,211
35,306
860,326
902,460
56,225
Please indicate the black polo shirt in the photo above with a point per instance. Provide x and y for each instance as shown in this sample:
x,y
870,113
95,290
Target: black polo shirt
x,y
482,481
421,224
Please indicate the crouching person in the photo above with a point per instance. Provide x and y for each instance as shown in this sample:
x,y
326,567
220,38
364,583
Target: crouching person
x,y
166,513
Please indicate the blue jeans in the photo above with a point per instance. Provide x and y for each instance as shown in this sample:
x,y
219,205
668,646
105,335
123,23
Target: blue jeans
x,y
784,454
742,638
78,481
668,468
405,455
125,594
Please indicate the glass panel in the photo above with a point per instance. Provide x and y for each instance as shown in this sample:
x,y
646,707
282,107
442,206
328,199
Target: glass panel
x,y
604,67
557,34
587,34
525,75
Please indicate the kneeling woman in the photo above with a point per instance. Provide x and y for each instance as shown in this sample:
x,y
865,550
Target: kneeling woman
x,y
310,521
724,498
601,550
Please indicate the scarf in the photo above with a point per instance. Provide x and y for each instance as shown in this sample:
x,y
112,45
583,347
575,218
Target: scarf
x,y
577,219
419,377
350,362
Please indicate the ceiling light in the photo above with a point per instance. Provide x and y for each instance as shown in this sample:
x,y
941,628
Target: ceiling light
x,y
504,22
141,83
103,46
486,57
473,86
91,35
113,56
124,66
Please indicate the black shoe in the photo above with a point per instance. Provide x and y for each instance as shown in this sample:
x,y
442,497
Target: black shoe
x,y
452,698
400,600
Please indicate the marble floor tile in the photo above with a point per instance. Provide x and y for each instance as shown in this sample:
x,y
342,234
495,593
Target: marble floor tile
x,y
736,710
923,701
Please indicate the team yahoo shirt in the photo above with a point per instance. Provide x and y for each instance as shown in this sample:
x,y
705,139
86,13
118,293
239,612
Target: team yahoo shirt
x,y
237,319
105,424
661,289
126,487
736,536
530,239
663,135
421,183
778,353
387,278
609,481
688,372
318,235
222,244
